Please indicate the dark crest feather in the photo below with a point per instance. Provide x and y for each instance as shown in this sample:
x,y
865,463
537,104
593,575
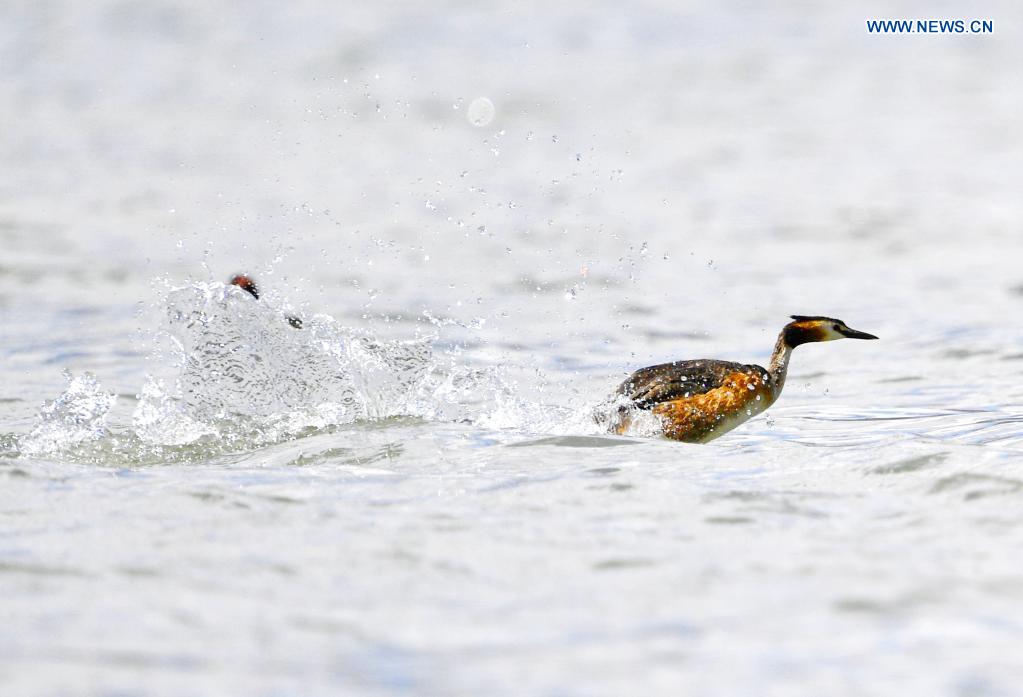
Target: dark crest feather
x,y
813,318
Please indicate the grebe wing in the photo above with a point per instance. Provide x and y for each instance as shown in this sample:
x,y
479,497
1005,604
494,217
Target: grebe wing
x,y
677,380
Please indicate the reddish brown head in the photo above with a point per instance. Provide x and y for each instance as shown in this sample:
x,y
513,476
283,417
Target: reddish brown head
x,y
245,283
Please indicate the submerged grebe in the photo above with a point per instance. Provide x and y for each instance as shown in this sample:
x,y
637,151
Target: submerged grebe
x,y
697,401
246,283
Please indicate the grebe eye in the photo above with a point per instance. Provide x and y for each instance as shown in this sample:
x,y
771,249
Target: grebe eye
x,y
835,327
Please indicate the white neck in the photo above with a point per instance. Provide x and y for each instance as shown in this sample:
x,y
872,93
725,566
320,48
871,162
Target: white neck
x,y
779,364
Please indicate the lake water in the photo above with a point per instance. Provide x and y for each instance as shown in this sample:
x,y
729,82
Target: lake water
x,y
486,219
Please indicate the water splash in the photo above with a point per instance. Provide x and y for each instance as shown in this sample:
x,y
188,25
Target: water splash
x,y
77,416
241,375
610,413
239,358
160,419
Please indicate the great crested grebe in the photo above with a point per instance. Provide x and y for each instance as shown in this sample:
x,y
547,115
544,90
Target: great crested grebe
x,y
245,282
697,401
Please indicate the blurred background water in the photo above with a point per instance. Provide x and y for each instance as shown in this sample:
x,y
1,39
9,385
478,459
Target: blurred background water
x,y
486,218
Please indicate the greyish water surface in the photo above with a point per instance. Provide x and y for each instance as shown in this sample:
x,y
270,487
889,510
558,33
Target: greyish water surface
x,y
409,495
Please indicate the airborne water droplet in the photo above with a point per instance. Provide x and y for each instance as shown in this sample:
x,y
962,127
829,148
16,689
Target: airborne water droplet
x,y
481,112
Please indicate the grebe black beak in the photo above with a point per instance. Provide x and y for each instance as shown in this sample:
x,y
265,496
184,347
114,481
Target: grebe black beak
x,y
853,334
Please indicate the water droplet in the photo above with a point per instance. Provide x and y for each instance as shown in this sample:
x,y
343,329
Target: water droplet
x,y
481,112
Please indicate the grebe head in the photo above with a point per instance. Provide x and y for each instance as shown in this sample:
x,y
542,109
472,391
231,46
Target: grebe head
x,y
245,283
808,329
